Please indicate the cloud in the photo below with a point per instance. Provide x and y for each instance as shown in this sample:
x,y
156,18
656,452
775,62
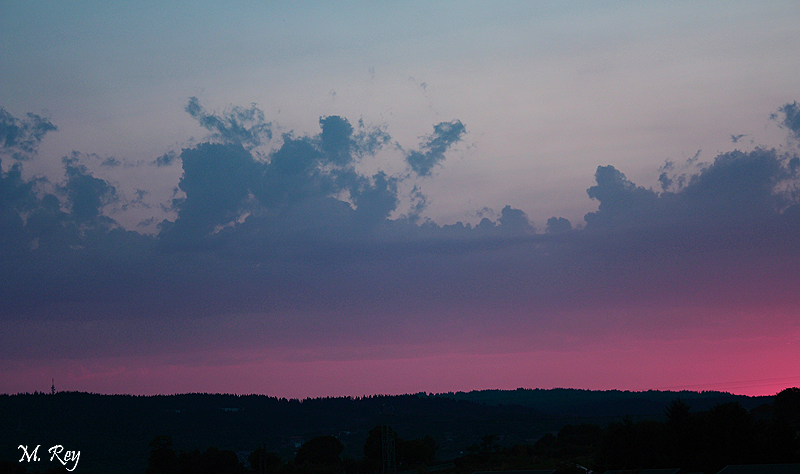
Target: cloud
x,y
431,151
556,225
216,182
343,146
20,138
725,241
237,125
375,198
299,238
741,186
418,204
514,221
110,161
166,159
737,189
87,194
337,141
290,190
369,140
791,118
16,198
621,201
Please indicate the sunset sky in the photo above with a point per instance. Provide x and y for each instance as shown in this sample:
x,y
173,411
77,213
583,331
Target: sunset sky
x,y
305,199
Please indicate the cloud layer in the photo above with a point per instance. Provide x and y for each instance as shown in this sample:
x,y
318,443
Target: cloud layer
x,y
298,247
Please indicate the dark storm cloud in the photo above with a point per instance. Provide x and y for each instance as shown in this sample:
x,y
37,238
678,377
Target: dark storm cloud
x,y
20,138
431,151
299,230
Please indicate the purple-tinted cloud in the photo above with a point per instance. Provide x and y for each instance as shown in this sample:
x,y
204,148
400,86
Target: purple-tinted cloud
x,y
303,248
20,138
558,224
790,118
86,194
237,125
431,151
166,159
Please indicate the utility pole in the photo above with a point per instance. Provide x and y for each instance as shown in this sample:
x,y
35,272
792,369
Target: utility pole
x,y
388,453
53,388
262,459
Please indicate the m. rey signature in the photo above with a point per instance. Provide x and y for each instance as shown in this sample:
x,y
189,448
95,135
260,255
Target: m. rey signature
x,y
57,453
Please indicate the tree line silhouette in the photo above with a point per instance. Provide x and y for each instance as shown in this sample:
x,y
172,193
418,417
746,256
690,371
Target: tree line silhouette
x,y
319,455
246,434
700,441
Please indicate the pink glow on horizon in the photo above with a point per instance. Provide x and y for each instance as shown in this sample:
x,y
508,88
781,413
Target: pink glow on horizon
x,y
741,366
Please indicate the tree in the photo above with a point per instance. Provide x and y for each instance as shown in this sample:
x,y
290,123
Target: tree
x,y
322,450
416,452
488,444
264,462
410,453
162,458
787,406
677,412
373,448
210,461
680,433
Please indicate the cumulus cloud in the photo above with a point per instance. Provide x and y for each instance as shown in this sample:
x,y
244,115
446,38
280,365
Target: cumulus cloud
x,y
432,149
336,139
16,198
245,126
111,161
737,189
166,159
370,139
20,138
557,225
296,187
515,221
216,181
789,116
87,195
301,231
621,201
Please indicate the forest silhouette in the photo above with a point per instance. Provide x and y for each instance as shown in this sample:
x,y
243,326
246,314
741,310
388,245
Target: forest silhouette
x,y
453,433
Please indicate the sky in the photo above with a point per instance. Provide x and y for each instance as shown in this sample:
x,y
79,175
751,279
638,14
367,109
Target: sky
x,y
302,199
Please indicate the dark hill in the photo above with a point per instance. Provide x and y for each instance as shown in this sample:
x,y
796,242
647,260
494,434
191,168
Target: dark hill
x,y
605,403
113,431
